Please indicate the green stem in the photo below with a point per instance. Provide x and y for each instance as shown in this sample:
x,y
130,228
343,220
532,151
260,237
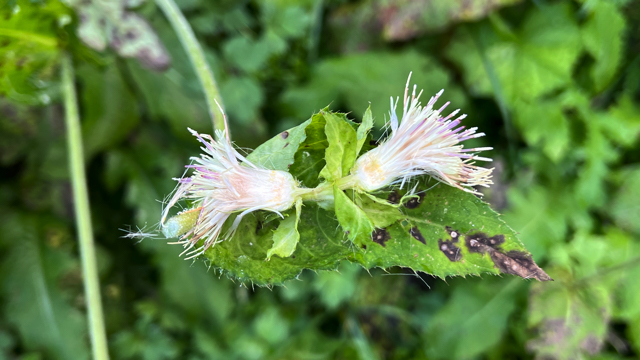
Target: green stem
x,y
83,214
29,36
196,56
324,191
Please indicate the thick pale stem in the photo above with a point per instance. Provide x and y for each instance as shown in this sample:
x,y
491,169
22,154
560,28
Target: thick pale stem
x,y
196,56
83,213
324,191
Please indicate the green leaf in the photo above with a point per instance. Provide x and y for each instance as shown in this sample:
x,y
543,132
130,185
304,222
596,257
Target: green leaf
x,y
111,111
472,321
624,207
364,128
538,60
309,158
286,236
370,77
243,97
278,152
32,299
341,153
29,48
571,321
243,257
544,124
245,53
352,219
380,212
603,35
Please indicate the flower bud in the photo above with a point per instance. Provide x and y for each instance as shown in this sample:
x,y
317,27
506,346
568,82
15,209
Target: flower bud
x,y
223,183
424,142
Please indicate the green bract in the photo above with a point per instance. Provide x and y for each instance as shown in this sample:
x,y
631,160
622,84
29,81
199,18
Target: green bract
x,y
436,229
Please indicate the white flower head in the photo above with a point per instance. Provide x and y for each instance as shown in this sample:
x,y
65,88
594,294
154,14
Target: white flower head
x,y
223,183
424,142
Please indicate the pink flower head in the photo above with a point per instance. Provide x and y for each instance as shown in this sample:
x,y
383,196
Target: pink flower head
x,y
225,182
424,142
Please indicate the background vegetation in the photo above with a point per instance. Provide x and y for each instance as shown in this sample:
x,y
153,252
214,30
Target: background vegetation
x,y
554,84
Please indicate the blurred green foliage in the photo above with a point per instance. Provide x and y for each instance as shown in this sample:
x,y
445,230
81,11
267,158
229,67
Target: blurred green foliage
x,y
554,84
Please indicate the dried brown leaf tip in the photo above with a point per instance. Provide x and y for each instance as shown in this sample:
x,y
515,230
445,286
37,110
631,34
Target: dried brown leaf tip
x,y
513,262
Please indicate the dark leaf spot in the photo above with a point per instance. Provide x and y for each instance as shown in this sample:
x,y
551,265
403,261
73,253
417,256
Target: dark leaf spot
x,y
417,235
285,145
415,202
284,134
380,236
450,250
481,243
130,35
394,197
518,263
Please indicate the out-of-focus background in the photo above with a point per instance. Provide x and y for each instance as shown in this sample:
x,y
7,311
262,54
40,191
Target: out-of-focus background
x,y
554,84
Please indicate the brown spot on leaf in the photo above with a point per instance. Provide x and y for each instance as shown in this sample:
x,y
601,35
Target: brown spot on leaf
x,y
415,202
284,134
450,250
518,263
285,145
481,243
380,236
512,262
394,197
415,232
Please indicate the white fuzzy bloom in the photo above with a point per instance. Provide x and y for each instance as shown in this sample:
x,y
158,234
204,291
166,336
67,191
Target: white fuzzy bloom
x,y
423,143
223,183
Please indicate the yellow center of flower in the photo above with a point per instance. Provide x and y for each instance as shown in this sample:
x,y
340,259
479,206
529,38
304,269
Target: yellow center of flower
x,y
370,173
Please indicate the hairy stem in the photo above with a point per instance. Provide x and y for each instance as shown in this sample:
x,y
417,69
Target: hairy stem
x,y
83,214
196,56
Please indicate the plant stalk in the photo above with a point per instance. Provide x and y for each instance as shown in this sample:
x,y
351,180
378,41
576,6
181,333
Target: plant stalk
x,y
196,56
83,213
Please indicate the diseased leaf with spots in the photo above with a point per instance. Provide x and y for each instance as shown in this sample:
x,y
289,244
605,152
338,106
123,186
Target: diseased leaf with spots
x,y
113,23
446,232
406,19
571,321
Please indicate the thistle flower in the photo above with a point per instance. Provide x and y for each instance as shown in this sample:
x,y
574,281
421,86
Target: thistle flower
x,y
223,183
424,142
